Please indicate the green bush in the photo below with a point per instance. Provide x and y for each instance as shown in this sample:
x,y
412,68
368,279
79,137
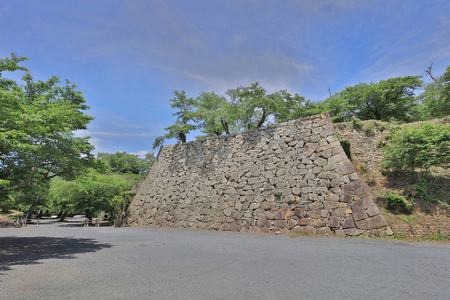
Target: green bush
x,y
368,129
357,123
381,143
418,147
381,127
398,202
426,189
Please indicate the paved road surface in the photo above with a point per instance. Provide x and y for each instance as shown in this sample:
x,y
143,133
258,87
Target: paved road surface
x,y
68,261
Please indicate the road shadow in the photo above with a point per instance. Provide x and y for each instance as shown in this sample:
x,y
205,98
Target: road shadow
x,y
29,250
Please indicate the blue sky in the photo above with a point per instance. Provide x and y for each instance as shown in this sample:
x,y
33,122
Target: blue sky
x,y
129,56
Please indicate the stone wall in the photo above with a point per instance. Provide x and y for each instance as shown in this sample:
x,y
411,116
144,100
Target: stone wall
x,y
291,177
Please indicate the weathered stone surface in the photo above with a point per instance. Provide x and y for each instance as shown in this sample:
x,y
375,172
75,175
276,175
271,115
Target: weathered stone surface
x,y
319,223
340,232
286,177
303,221
280,223
324,231
337,158
334,222
292,223
298,230
373,223
348,223
227,211
362,204
354,232
360,215
262,221
296,191
372,210
279,215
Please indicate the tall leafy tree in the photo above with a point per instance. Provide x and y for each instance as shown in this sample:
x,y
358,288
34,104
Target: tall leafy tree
x,y
37,126
388,99
256,106
436,96
89,192
214,114
246,108
300,108
418,147
122,162
179,130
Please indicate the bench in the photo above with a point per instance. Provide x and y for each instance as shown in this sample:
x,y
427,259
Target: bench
x,y
96,222
24,221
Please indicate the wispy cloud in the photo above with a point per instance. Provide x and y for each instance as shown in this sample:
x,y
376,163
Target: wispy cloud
x,y
274,71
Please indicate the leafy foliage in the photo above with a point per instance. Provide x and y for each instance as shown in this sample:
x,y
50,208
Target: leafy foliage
x,y
246,108
255,106
89,192
181,128
37,127
120,205
436,96
122,162
357,123
398,202
418,147
428,190
368,129
388,99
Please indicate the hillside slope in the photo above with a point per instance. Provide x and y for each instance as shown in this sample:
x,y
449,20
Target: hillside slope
x,y
427,218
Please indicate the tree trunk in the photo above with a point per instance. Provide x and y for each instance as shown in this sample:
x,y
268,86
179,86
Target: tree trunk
x,y
225,126
262,120
59,214
88,214
40,214
63,216
33,206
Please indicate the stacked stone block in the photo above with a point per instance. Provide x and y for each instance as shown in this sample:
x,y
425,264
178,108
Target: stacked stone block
x,y
291,177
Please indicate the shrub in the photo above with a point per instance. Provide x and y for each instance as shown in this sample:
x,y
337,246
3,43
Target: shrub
x,y
418,147
368,129
381,143
426,189
381,127
398,202
357,123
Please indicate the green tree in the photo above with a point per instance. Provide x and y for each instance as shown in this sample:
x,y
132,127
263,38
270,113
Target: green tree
x,y
388,99
246,108
418,147
179,130
436,96
37,128
301,108
28,199
255,106
122,162
90,192
214,114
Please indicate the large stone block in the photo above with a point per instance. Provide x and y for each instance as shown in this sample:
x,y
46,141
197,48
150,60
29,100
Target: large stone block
x,y
334,222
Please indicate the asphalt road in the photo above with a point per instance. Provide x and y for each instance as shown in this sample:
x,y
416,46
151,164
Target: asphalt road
x,y
68,261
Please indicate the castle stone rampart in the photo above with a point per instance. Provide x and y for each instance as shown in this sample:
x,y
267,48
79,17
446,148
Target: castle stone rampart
x,y
290,177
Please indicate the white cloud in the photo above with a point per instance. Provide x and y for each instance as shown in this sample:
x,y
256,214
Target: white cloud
x,y
141,153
